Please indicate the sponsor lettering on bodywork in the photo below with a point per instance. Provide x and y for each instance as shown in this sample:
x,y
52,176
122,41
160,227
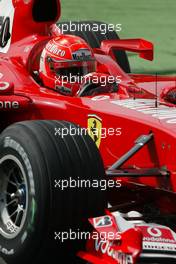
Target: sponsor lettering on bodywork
x,y
147,107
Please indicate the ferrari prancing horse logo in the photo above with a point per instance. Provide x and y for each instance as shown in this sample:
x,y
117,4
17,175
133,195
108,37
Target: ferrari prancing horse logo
x,y
95,128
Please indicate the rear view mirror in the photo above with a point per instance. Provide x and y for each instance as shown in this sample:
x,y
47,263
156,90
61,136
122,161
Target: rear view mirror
x,y
141,46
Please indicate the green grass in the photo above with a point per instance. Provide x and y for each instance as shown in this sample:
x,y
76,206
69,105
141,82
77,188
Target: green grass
x,y
154,20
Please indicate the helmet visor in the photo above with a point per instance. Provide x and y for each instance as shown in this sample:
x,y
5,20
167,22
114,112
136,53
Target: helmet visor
x,y
71,68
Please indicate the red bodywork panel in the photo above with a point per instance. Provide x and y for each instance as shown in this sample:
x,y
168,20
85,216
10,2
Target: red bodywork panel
x,y
122,116
131,110
24,22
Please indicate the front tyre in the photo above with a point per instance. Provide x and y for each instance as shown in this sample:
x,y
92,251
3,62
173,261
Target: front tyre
x,y
34,209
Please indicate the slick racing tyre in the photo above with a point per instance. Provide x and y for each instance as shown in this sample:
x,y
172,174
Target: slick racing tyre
x,y
40,197
94,38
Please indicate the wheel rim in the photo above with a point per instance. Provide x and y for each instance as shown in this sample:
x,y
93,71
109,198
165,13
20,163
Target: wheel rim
x,y
13,196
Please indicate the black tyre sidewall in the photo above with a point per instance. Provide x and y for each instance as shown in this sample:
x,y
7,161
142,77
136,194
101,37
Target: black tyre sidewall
x,y
34,145
37,213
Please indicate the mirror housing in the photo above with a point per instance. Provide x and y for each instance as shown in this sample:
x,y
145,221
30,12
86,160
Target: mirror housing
x,y
141,46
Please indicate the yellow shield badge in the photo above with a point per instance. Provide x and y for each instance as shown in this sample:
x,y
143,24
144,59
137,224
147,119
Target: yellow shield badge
x,y
95,128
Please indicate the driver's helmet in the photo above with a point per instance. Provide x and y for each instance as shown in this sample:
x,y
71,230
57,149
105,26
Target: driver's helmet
x,y
64,61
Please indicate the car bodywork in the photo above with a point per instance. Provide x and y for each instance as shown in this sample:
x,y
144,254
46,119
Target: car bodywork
x,y
125,238
139,149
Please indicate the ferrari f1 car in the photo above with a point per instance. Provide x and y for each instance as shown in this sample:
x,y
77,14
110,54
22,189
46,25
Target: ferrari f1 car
x,y
89,150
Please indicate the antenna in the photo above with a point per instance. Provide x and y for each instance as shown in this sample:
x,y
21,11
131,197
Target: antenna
x,y
134,94
156,91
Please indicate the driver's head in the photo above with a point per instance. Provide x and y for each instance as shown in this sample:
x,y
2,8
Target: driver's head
x,y
63,60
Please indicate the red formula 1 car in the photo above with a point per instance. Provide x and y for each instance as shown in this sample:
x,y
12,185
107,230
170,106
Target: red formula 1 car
x,y
54,176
